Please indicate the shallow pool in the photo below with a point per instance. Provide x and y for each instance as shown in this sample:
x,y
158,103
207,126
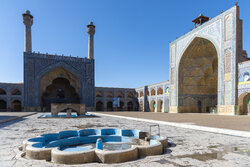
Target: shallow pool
x,y
79,146
107,146
64,115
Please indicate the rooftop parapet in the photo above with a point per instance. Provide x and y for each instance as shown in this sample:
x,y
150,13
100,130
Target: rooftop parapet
x,y
57,57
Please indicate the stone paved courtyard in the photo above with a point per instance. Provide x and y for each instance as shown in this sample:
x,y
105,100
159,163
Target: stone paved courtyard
x,y
186,147
233,122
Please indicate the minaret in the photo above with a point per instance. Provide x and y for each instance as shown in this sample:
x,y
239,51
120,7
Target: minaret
x,y
91,32
27,21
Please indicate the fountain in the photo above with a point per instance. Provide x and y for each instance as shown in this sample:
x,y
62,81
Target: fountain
x,y
80,110
94,145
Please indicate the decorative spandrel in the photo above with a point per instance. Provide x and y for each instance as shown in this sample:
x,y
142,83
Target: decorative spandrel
x,y
228,27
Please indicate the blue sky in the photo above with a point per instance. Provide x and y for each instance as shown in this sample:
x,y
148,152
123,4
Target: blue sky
x,y
132,36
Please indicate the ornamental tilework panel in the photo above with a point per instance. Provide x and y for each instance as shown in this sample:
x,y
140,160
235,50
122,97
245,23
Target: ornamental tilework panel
x,y
31,66
212,31
228,89
172,55
227,44
43,63
30,78
172,76
78,66
228,34
228,61
88,69
228,27
173,101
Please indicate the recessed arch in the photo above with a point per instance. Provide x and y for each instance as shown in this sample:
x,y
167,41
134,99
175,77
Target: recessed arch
x,y
3,105
196,36
55,68
2,91
109,106
99,94
152,106
99,106
59,91
16,92
160,106
141,94
120,94
60,72
121,107
152,92
244,103
198,76
59,65
130,106
110,94
159,91
130,95
16,105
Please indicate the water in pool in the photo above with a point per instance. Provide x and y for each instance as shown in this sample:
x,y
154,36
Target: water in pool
x,y
64,115
108,146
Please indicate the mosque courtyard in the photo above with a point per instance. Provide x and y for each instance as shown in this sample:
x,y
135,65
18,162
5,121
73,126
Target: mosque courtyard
x,y
203,109
187,147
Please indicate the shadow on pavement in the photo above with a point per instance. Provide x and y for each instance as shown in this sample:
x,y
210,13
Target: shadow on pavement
x,y
10,122
6,117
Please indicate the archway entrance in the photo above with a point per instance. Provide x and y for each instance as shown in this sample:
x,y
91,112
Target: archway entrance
x,y
59,86
121,106
3,105
110,106
99,106
137,106
16,105
159,106
244,103
152,106
198,77
60,91
130,106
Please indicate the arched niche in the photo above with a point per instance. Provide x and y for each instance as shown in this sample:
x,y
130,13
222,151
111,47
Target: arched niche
x,y
60,72
198,76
